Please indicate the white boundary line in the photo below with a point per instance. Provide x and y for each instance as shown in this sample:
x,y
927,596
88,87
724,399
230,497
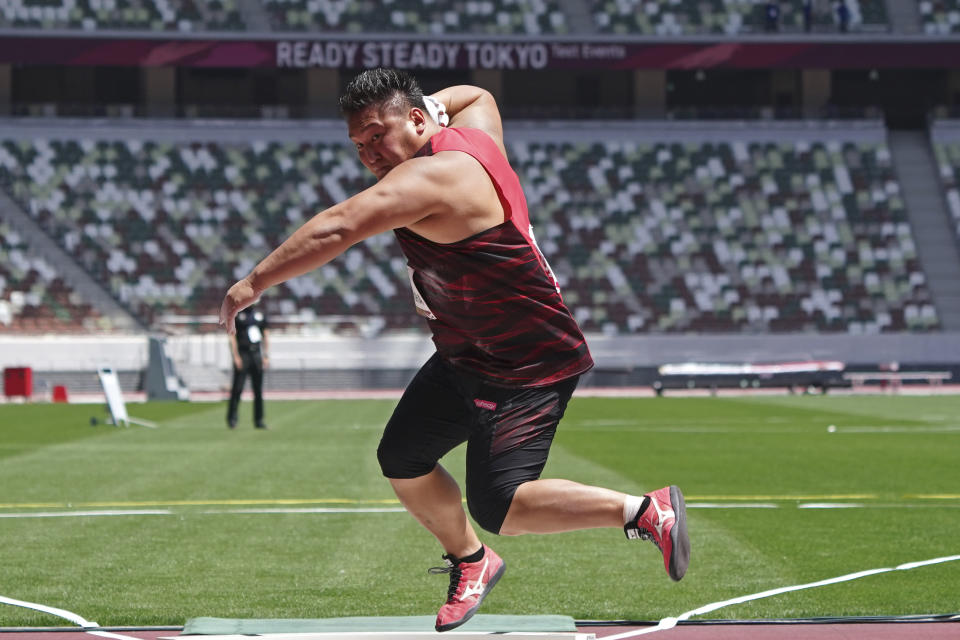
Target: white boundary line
x,y
88,514
669,623
713,505
664,624
80,621
400,635
168,512
108,634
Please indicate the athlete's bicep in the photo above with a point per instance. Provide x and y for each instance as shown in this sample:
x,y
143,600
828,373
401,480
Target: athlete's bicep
x,y
405,196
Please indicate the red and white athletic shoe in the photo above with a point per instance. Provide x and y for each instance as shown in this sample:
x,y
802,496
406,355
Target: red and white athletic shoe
x,y
664,522
470,582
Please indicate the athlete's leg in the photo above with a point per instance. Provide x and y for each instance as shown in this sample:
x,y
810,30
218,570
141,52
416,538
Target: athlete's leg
x,y
430,420
236,390
504,489
435,501
256,381
555,505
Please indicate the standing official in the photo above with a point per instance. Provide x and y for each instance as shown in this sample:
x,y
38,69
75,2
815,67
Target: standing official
x,y
250,349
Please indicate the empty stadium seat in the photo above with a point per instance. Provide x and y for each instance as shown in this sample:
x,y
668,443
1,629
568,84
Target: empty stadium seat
x,y
727,236
33,296
408,16
730,236
152,15
166,227
948,159
939,17
678,17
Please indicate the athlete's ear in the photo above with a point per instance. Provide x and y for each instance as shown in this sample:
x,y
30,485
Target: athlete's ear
x,y
419,119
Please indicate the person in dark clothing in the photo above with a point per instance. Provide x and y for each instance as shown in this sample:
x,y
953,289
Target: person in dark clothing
x,y
843,16
772,15
249,347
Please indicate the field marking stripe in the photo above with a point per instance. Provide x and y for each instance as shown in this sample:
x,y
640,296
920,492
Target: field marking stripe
x,y
80,621
284,510
399,635
732,505
106,504
703,501
831,505
108,634
669,623
65,514
60,613
167,512
25,515
194,503
784,497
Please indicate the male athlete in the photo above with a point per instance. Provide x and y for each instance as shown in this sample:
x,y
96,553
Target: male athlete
x,y
509,353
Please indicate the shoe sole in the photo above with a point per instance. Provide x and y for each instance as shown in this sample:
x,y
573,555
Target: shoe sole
x,y
679,539
493,581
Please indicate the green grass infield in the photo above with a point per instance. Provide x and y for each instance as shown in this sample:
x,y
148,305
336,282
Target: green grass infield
x,y
137,527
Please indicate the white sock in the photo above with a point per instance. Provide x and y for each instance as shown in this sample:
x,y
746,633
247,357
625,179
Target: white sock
x,y
631,505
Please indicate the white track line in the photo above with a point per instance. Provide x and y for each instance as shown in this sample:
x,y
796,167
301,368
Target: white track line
x,y
80,621
669,623
307,510
168,512
355,510
108,634
732,505
60,613
89,514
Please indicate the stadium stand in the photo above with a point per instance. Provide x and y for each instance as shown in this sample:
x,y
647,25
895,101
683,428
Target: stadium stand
x,y
794,234
167,226
33,295
940,17
947,152
673,17
501,17
479,17
153,15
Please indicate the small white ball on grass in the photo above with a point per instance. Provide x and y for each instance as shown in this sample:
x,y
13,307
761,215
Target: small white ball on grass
x,y
832,428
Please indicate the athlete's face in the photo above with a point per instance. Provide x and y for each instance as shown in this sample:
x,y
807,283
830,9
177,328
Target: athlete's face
x,y
386,135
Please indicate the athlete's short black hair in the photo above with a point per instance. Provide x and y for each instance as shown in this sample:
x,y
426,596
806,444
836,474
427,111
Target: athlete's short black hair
x,y
378,86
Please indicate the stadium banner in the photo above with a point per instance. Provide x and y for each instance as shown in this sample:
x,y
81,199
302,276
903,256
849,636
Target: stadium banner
x,y
342,53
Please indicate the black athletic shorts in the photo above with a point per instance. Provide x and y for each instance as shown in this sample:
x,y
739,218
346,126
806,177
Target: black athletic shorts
x,y
508,432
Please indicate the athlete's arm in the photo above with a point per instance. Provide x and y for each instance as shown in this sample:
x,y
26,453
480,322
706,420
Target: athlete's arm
x,y
473,107
235,351
412,191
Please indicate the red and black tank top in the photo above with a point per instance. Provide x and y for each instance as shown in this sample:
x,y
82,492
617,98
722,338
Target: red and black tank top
x,y
491,300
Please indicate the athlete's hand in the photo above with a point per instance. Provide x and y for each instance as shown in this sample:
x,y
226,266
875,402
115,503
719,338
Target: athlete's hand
x,y
240,296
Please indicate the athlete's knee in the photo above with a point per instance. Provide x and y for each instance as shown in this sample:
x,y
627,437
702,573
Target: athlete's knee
x,y
489,507
398,461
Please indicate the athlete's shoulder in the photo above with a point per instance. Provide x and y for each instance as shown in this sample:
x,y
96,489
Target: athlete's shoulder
x,y
467,137
438,166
